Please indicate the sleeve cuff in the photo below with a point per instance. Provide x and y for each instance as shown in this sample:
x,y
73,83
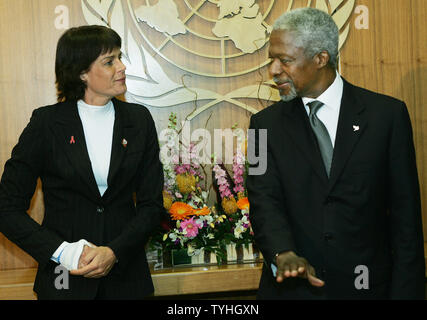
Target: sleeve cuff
x,y
57,254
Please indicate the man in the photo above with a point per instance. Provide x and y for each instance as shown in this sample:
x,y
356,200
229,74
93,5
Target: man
x,y
337,212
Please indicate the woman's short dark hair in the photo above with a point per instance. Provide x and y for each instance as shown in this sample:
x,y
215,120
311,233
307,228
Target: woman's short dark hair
x,y
77,49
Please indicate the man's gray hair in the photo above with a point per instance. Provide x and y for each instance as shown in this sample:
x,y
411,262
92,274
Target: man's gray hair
x,y
314,30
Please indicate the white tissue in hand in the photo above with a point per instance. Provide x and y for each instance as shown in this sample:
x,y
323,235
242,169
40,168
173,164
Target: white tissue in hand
x,y
71,255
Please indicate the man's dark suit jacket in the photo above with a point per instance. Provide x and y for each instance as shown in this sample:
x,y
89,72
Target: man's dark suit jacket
x,y
53,148
366,214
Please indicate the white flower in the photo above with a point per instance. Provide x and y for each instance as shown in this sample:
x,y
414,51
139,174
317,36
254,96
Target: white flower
x,y
190,249
175,159
171,142
205,195
238,231
245,219
200,220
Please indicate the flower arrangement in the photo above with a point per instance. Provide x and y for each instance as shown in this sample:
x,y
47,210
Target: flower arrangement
x,y
189,223
233,201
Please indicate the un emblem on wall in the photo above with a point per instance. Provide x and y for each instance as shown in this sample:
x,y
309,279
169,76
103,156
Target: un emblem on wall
x,y
215,33
207,38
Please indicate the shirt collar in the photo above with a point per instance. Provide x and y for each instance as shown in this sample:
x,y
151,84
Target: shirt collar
x,y
331,96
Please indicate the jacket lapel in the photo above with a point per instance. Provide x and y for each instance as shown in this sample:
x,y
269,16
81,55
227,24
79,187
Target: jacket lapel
x,y
123,133
351,125
68,129
298,127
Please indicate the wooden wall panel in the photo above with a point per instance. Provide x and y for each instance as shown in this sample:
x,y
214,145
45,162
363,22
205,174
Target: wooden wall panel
x,y
27,81
389,57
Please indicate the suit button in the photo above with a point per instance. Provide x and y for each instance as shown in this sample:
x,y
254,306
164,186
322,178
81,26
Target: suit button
x,y
329,201
328,236
100,209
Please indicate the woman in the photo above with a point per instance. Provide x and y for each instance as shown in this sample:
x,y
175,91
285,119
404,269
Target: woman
x,y
92,152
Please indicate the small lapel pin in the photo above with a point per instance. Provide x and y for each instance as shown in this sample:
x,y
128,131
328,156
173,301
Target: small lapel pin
x,y
356,128
124,143
72,140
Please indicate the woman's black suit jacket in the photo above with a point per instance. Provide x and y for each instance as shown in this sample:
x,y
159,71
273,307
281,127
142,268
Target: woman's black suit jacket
x,y
53,147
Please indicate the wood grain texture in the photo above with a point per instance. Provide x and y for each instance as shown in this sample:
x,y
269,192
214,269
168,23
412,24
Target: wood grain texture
x,y
391,58
207,279
18,284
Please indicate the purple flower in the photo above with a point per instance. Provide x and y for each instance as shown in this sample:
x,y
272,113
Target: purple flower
x,y
180,169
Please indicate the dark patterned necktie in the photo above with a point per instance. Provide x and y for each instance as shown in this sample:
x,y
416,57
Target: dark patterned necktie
x,y
322,135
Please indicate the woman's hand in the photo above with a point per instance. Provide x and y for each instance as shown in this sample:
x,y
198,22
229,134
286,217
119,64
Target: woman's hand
x,y
95,262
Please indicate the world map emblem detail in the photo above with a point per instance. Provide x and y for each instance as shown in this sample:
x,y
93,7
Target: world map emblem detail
x,y
226,30
208,38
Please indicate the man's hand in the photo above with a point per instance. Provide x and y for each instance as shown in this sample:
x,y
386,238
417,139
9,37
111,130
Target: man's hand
x,y
95,262
290,265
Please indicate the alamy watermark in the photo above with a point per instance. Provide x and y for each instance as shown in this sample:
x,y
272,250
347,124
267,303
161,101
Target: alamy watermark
x,y
362,280
198,147
62,280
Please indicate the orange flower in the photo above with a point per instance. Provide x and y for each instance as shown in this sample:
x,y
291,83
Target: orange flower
x,y
202,212
180,210
243,204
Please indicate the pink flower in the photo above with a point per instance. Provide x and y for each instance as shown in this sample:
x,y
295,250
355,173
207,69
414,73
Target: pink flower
x,y
238,189
222,181
238,180
191,227
227,193
238,171
223,186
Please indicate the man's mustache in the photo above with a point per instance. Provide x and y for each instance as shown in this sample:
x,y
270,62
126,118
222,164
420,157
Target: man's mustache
x,y
279,82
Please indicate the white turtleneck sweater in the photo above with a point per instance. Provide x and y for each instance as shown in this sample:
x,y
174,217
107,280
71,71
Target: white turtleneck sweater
x,y
98,122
